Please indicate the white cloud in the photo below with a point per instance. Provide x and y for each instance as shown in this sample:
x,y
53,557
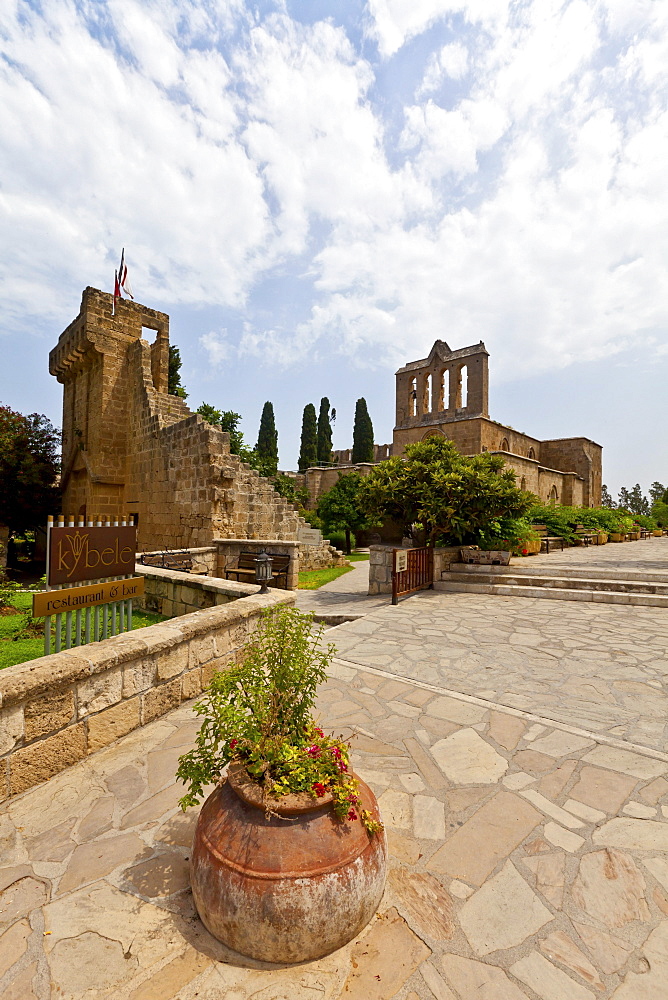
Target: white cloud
x,y
451,61
216,346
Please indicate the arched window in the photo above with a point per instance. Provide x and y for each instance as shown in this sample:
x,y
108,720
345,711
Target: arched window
x,y
554,496
444,390
427,394
532,453
464,386
412,400
504,445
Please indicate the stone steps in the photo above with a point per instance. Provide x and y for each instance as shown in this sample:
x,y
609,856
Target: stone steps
x,y
526,567
559,588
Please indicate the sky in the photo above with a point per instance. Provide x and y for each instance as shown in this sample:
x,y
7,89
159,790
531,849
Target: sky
x,y
315,191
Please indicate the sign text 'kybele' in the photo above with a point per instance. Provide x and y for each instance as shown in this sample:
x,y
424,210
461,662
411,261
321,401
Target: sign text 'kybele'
x,y
77,554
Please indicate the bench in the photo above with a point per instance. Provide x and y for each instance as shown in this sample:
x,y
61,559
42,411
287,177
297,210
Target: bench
x,y
245,567
545,539
586,536
182,562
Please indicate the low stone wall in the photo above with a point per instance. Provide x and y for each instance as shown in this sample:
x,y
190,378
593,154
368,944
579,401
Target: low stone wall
x,y
58,709
170,592
321,556
380,565
205,559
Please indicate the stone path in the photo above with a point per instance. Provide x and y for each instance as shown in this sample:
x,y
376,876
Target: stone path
x,y
650,556
528,862
344,599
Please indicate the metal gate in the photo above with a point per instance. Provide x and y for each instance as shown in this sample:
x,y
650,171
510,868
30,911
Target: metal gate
x,y
412,569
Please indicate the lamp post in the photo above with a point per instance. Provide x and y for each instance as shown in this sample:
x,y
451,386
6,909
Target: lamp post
x,y
263,572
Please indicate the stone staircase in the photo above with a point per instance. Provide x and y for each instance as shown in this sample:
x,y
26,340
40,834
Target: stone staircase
x,y
599,586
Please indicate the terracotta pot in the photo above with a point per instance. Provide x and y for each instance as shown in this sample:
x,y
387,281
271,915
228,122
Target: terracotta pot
x,y
285,888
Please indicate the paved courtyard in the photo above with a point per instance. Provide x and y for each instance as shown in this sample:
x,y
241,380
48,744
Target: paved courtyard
x,y
518,753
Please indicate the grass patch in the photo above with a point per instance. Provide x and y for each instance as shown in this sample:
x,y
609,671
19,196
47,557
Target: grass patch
x,y
311,579
358,557
14,651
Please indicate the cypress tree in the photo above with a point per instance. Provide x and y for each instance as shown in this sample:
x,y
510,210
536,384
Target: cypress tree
x,y
362,434
308,451
267,442
174,384
324,432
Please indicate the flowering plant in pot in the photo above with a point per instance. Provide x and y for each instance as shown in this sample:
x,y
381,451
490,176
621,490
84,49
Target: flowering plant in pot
x,y
289,856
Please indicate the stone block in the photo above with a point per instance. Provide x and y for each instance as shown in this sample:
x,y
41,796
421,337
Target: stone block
x,y
191,684
160,700
48,713
112,723
172,661
11,727
138,677
38,762
99,692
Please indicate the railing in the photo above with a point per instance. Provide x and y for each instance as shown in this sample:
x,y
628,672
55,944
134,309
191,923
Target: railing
x,y
412,569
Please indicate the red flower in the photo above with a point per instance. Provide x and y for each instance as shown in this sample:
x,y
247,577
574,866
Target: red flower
x,y
336,753
233,743
341,766
352,814
525,552
319,732
319,788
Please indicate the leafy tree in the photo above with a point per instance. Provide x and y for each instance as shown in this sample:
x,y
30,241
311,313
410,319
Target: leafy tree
x,y
656,492
267,442
29,467
228,421
286,487
308,451
606,498
340,510
362,434
624,498
324,433
638,503
454,498
174,386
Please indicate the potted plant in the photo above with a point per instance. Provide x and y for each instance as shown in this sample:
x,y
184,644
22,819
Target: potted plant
x,y
289,856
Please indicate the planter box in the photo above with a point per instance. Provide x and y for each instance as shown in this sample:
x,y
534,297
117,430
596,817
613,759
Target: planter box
x,y
602,538
616,537
658,532
482,557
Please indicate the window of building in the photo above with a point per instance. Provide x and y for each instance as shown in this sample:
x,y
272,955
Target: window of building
x,y
532,453
464,386
412,402
504,445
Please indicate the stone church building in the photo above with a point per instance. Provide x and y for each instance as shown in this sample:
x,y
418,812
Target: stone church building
x,y
448,394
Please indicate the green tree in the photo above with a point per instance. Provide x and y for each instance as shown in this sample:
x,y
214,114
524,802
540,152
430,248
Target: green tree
x,y
638,503
29,467
340,510
228,421
656,492
454,498
606,498
308,450
624,498
174,386
362,434
324,433
267,442
286,487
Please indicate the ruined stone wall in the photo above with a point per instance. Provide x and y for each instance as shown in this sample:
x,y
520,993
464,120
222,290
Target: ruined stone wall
x,y
578,455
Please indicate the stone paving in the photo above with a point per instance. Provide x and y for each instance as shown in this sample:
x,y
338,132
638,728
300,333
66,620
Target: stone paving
x,y
527,863
345,598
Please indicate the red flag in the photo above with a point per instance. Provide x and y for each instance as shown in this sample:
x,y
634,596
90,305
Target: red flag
x,y
117,287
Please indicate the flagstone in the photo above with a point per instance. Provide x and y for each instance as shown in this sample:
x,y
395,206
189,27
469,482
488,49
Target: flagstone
x,y
412,782
179,830
428,818
402,848
530,760
556,812
13,944
626,762
460,889
559,743
170,980
395,809
548,982
462,712
21,986
584,811
563,838
460,799
503,913
651,984
383,959
659,868
98,819
426,766
654,791
90,958
160,876
609,953
533,732
435,982
558,946
126,784
52,845
20,898
602,789
553,784
549,872
634,834
465,758
98,858
496,829
154,807
610,887
518,780
478,981
639,809
426,903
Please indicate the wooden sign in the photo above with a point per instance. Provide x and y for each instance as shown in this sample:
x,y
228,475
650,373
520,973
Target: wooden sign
x,y
57,602
77,554
400,560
